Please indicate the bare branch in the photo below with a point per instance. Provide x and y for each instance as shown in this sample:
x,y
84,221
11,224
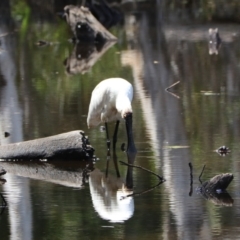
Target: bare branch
x,y
201,174
191,179
167,89
131,165
145,191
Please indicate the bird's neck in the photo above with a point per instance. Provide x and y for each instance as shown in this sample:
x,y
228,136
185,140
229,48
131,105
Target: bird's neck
x,y
123,105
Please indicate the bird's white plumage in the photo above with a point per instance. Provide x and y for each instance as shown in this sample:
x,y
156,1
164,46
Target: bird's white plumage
x,y
110,101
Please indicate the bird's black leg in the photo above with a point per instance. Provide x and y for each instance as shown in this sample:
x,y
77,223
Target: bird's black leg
x,y
115,136
129,178
116,163
131,146
108,141
107,166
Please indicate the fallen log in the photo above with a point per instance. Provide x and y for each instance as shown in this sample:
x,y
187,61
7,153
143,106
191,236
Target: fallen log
x,y
85,26
70,145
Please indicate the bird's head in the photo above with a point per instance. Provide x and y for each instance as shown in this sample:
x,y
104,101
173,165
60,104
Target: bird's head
x,y
126,114
123,105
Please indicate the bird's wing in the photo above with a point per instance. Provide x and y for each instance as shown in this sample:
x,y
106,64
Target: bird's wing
x,y
96,106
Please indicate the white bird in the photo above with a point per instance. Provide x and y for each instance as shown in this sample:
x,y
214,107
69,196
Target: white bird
x,y
111,101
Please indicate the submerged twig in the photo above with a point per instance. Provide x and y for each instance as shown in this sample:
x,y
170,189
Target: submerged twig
x,y
201,174
161,180
175,95
145,191
131,165
167,89
191,179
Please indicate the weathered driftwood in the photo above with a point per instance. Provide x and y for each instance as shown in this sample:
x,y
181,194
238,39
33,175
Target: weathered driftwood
x,y
214,190
84,56
107,14
72,175
219,182
85,26
70,145
220,199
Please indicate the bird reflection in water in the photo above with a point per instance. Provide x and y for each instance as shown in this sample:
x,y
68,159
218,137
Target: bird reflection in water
x,y
111,194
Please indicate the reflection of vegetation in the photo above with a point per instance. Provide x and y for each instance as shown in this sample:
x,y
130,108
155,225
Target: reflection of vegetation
x,y
207,9
210,120
61,103
21,13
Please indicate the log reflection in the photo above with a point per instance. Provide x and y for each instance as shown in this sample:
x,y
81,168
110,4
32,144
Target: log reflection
x,y
85,55
67,173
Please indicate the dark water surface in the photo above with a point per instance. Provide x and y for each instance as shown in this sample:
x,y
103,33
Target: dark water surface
x,y
44,91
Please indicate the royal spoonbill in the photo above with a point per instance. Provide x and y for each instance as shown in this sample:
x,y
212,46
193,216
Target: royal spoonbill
x,y
111,101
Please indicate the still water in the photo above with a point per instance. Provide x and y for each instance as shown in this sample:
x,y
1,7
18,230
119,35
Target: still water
x,y
45,91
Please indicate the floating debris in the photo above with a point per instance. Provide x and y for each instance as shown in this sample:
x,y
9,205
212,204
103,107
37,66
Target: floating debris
x,y
175,147
6,134
123,147
223,151
42,43
209,93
